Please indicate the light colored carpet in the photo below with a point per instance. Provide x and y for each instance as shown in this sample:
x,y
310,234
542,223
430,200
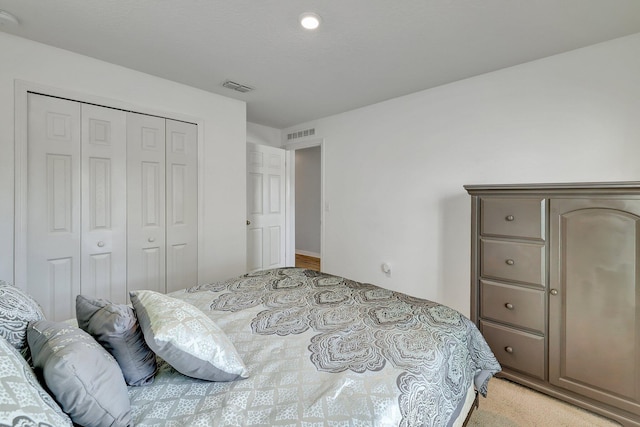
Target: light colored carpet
x,y
510,405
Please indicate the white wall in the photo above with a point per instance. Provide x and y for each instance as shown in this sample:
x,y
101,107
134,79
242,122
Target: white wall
x,y
308,200
223,123
394,171
263,135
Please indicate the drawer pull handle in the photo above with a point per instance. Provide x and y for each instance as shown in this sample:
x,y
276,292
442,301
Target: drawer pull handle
x,y
510,262
100,244
510,218
508,349
509,306
554,292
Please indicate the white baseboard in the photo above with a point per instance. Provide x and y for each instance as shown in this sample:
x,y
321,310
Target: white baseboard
x,y
307,253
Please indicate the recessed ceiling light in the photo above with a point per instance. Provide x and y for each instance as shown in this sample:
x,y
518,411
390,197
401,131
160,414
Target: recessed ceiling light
x,y
7,18
309,21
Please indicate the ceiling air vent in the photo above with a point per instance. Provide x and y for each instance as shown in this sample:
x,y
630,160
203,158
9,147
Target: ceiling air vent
x,y
301,134
237,86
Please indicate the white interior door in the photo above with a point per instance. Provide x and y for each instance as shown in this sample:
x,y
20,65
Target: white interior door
x,y
182,205
104,209
265,207
53,230
146,203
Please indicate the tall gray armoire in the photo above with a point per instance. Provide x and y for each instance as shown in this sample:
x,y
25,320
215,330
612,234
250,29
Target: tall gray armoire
x,y
555,289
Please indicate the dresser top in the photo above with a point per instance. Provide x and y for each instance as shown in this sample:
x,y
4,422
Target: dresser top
x,y
555,188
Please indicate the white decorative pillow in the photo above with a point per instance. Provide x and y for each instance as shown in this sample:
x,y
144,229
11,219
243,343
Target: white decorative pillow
x,y
17,309
186,338
23,401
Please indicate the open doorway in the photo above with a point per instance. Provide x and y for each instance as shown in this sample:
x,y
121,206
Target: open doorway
x,y
308,207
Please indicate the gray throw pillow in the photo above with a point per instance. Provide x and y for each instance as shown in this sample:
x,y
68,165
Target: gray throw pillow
x,y
116,327
23,401
83,377
17,309
186,338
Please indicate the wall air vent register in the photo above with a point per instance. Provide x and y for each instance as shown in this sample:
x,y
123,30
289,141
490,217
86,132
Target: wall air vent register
x,y
237,86
301,134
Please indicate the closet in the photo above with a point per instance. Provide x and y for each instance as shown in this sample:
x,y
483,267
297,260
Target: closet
x,y
111,203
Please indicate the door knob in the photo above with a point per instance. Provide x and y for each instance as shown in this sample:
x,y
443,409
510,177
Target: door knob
x,y
508,349
248,222
510,262
553,292
100,244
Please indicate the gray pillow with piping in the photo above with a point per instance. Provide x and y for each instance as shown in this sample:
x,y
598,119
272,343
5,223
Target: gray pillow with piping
x,y
82,376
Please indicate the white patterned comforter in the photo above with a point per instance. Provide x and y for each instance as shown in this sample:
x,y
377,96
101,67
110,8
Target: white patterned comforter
x,y
324,351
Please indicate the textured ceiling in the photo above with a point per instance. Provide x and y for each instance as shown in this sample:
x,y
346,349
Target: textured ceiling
x,y
366,51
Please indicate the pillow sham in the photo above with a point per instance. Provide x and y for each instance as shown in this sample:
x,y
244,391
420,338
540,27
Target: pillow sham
x,y
23,401
82,376
186,338
116,328
17,309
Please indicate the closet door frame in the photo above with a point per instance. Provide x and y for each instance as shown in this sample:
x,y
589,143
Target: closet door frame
x,y
21,90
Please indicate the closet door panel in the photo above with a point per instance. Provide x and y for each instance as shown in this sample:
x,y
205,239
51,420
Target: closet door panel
x,y
104,208
146,263
53,234
182,205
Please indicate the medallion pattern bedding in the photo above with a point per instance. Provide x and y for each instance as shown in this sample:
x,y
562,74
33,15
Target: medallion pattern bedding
x,y
322,350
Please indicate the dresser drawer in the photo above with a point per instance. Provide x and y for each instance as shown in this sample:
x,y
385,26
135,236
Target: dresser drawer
x,y
514,305
516,349
504,217
522,262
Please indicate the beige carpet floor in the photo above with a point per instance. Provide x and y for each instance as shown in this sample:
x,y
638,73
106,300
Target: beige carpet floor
x,y
509,404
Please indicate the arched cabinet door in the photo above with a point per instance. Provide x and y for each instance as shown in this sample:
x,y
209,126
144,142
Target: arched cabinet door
x,y
594,297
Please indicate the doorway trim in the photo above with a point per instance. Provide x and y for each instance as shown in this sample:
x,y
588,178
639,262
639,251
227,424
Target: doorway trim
x,y
290,217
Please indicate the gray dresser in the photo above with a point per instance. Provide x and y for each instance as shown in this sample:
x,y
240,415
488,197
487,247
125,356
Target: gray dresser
x,y
555,289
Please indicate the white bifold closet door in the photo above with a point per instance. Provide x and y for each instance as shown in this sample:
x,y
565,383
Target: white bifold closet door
x,y
76,239
53,236
162,203
112,203
182,205
146,203
103,213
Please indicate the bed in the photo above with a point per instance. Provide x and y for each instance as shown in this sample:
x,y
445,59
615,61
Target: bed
x,y
322,350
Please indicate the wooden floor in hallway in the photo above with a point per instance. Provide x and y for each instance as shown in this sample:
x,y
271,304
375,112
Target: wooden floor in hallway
x,y
308,262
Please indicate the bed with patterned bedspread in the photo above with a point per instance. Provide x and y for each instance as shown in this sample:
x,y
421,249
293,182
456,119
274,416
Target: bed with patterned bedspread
x,y
322,350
